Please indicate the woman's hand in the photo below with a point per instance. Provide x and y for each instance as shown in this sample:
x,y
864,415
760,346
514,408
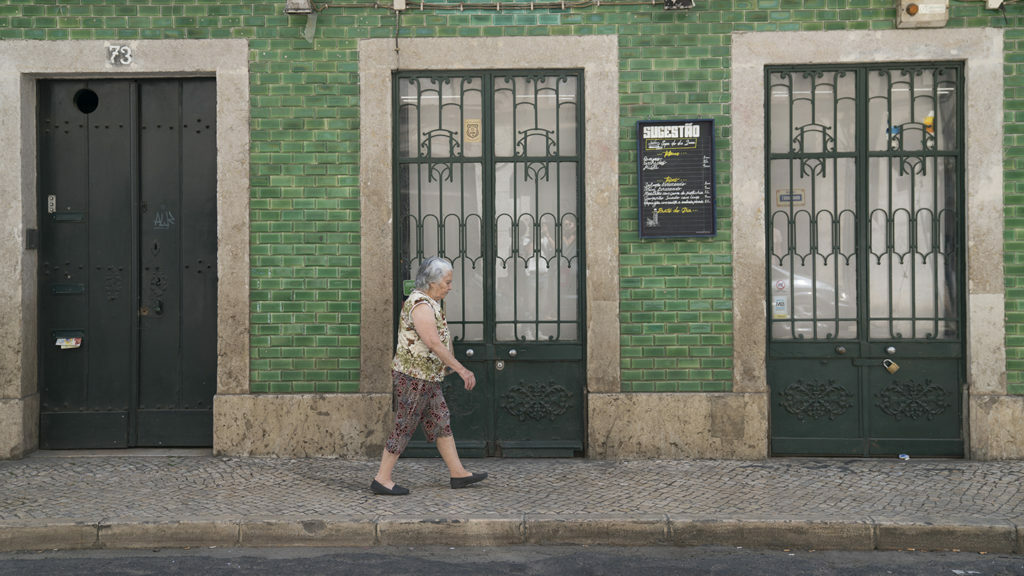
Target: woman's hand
x,y
468,378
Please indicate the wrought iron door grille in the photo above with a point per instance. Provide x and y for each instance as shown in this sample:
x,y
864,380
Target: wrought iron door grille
x,y
865,167
489,175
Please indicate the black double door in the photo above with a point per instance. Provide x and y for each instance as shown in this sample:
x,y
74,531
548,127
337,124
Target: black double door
x,y
127,262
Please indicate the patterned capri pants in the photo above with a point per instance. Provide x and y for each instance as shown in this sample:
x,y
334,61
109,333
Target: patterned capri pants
x,y
417,402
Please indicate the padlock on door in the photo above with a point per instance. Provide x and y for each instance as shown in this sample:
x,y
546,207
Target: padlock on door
x,y
891,366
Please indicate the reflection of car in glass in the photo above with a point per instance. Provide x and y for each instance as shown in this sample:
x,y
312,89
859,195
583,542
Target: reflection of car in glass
x,y
797,301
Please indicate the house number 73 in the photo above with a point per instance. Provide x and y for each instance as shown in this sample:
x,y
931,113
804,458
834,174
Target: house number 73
x,y
120,55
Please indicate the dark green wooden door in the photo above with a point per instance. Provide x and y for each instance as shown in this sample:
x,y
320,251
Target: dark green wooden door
x,y
865,259
127,263
488,172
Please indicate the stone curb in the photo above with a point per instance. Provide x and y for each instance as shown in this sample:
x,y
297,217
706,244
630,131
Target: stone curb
x,y
775,533
534,529
979,537
466,531
48,536
348,531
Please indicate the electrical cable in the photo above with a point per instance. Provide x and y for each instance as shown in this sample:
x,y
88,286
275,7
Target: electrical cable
x,y
503,6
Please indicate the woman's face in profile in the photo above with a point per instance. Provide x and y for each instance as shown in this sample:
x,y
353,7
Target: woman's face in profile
x,y
442,288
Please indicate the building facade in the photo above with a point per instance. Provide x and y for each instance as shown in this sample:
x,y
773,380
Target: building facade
x,y
214,209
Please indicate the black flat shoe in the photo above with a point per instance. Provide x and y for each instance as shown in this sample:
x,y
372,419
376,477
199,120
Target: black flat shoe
x,y
378,488
463,482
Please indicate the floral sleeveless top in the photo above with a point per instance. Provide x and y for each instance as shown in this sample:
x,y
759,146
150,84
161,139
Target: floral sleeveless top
x,y
412,356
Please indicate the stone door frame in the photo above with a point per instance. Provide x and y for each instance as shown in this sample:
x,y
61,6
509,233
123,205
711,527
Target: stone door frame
x,y
982,52
598,56
21,64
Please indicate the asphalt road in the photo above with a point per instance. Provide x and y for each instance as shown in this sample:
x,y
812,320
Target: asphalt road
x,y
518,560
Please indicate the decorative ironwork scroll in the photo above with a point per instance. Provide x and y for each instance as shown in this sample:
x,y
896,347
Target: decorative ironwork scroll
x,y
536,401
913,400
816,400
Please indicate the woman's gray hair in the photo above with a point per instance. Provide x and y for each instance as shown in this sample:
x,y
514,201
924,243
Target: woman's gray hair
x,y
431,271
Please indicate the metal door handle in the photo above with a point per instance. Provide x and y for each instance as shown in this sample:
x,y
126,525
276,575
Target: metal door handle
x,y
512,353
469,353
890,350
840,350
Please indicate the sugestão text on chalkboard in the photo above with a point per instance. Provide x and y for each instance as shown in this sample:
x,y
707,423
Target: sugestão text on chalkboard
x,y
676,178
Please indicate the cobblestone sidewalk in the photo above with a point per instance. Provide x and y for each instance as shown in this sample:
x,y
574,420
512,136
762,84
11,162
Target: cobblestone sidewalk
x,y
180,499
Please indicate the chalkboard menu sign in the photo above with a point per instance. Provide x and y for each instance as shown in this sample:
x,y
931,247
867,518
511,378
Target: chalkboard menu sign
x,y
676,174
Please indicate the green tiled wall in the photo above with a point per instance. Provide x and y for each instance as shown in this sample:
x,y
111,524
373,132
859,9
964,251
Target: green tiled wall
x,y
675,294
1013,198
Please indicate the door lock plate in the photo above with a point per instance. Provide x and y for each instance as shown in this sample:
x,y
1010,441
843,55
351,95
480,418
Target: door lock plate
x,y
499,365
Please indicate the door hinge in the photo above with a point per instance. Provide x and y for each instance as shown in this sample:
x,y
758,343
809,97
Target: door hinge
x,y
31,239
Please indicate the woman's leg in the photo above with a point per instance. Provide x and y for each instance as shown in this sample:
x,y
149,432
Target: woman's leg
x,y
409,402
387,465
437,428
446,446
437,425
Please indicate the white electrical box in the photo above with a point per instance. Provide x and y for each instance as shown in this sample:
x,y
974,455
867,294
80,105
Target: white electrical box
x,y
399,5
922,13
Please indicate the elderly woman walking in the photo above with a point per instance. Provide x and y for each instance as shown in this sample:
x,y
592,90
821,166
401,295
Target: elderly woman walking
x,y
423,357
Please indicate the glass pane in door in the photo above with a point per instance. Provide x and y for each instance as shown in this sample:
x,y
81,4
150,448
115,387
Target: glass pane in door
x,y
536,211
537,259
912,192
523,169
812,206
442,217
440,189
